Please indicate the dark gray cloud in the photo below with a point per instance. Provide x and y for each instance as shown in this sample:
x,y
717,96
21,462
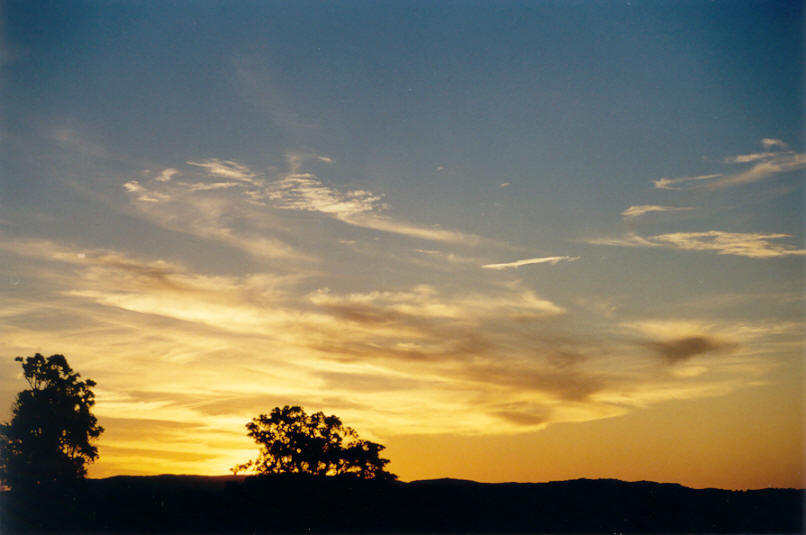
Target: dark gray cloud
x,y
522,418
366,314
566,384
681,349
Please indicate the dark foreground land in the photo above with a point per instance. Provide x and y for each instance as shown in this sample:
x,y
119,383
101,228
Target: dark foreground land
x,y
191,504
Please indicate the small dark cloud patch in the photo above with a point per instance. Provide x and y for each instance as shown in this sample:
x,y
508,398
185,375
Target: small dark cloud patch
x,y
682,349
521,417
158,275
364,314
525,413
565,384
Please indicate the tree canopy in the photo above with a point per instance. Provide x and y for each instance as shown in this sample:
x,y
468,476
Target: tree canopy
x,y
291,441
52,429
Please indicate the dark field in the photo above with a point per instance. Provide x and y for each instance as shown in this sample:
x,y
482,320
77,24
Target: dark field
x,y
194,504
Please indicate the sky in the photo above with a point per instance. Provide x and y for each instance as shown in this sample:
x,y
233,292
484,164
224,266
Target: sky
x,y
511,241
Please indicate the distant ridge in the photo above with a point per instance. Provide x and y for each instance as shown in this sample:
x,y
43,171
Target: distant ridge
x,y
456,481
222,480
446,481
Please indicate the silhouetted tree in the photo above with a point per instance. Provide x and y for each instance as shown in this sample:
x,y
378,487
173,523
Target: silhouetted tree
x,y
292,441
50,435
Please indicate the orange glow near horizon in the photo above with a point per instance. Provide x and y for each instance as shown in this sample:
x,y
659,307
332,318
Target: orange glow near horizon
x,y
728,442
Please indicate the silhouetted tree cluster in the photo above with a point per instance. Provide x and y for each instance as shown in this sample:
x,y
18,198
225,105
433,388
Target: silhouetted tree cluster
x,y
52,429
292,441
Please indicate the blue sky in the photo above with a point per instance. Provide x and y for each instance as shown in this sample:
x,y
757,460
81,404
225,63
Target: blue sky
x,y
409,205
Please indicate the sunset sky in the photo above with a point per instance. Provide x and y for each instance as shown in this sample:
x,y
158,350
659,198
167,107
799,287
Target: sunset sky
x,y
512,241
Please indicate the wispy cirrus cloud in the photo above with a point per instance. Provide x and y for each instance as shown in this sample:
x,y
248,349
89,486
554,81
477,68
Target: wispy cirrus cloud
x,y
765,164
528,261
642,209
747,244
304,192
214,211
360,208
226,169
293,191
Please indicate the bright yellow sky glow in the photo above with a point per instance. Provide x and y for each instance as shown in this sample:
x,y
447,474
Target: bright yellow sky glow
x,y
432,377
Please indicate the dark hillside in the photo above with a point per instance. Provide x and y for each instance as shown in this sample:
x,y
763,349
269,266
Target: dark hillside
x,y
184,504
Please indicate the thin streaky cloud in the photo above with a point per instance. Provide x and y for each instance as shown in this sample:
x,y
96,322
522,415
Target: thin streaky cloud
x,y
765,164
225,169
747,158
360,208
384,224
528,261
201,186
670,183
639,210
746,244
